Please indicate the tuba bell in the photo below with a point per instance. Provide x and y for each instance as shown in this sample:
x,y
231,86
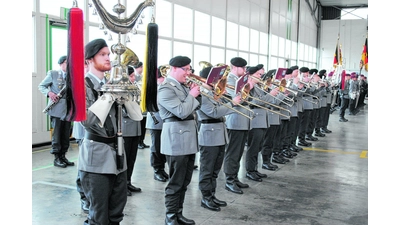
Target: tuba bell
x,y
128,58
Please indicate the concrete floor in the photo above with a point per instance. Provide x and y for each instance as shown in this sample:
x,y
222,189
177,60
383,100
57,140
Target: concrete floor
x,y
325,184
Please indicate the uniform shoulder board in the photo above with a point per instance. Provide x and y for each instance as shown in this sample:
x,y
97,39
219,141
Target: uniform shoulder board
x,y
172,84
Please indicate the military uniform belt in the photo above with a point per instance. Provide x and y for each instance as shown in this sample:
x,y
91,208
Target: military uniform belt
x,y
174,119
105,140
212,121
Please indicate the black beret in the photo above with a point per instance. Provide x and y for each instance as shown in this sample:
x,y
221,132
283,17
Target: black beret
x,y
204,72
269,74
288,71
252,69
130,70
322,72
304,69
260,66
93,47
238,62
313,71
62,59
294,68
347,74
179,61
139,64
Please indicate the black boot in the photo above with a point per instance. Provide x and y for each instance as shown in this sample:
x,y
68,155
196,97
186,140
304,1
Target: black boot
x,y
183,220
58,161
171,219
65,160
207,201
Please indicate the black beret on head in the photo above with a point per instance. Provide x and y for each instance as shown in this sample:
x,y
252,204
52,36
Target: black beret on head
x,y
294,68
93,47
347,74
288,71
269,74
62,59
252,69
322,72
139,64
130,70
260,66
313,71
179,61
238,62
304,69
204,72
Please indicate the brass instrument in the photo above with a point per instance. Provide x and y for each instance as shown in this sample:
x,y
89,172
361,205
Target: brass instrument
x,y
52,104
200,81
164,70
282,87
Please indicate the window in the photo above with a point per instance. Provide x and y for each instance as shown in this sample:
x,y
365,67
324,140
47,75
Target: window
x,y
232,34
183,23
52,7
164,51
243,38
201,53
218,32
183,49
163,14
202,28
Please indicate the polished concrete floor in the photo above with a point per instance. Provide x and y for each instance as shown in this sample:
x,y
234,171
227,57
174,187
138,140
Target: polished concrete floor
x,y
326,184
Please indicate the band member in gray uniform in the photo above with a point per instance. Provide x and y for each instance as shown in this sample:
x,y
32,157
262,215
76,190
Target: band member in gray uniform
x,y
177,103
131,131
258,125
102,182
315,102
344,98
51,87
323,103
213,139
238,127
299,87
154,124
329,99
307,107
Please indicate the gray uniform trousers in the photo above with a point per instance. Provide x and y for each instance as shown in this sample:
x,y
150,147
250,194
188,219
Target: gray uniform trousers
x,y
255,140
233,153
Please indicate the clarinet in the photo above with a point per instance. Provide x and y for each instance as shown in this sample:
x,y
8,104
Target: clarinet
x,y
59,95
154,118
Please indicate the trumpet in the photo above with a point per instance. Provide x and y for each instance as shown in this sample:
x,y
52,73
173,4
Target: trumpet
x,y
217,97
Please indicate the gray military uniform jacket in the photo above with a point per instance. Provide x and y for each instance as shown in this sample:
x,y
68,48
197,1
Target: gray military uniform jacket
x,y
130,128
260,114
307,104
54,82
345,92
97,157
235,121
150,122
174,101
212,134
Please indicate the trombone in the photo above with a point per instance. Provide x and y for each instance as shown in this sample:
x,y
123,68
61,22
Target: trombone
x,y
217,95
245,92
265,85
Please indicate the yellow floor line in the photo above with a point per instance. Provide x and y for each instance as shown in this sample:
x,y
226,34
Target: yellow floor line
x,y
363,154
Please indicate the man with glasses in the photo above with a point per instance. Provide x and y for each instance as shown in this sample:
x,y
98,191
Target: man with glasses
x,y
177,103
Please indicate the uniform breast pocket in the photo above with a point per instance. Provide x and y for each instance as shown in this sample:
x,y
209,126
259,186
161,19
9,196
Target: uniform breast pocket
x,y
97,154
180,137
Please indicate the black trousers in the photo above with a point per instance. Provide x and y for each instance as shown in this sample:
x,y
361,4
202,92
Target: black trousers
x,y
61,133
143,129
284,135
255,140
292,134
300,117
180,173
211,159
304,123
352,105
131,149
157,159
268,142
343,106
321,118
311,122
234,151
107,196
327,114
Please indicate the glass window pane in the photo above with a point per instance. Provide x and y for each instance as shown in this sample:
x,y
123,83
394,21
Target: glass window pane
x,y
164,18
306,53
263,43
218,32
218,56
254,40
253,61
244,38
281,63
59,45
301,51
164,51
288,49
201,53
230,54
232,34
274,45
294,50
33,49
201,28
52,7
183,49
281,47
263,60
183,23
274,63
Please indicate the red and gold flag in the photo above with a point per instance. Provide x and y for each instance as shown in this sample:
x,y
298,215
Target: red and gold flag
x,y
364,56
